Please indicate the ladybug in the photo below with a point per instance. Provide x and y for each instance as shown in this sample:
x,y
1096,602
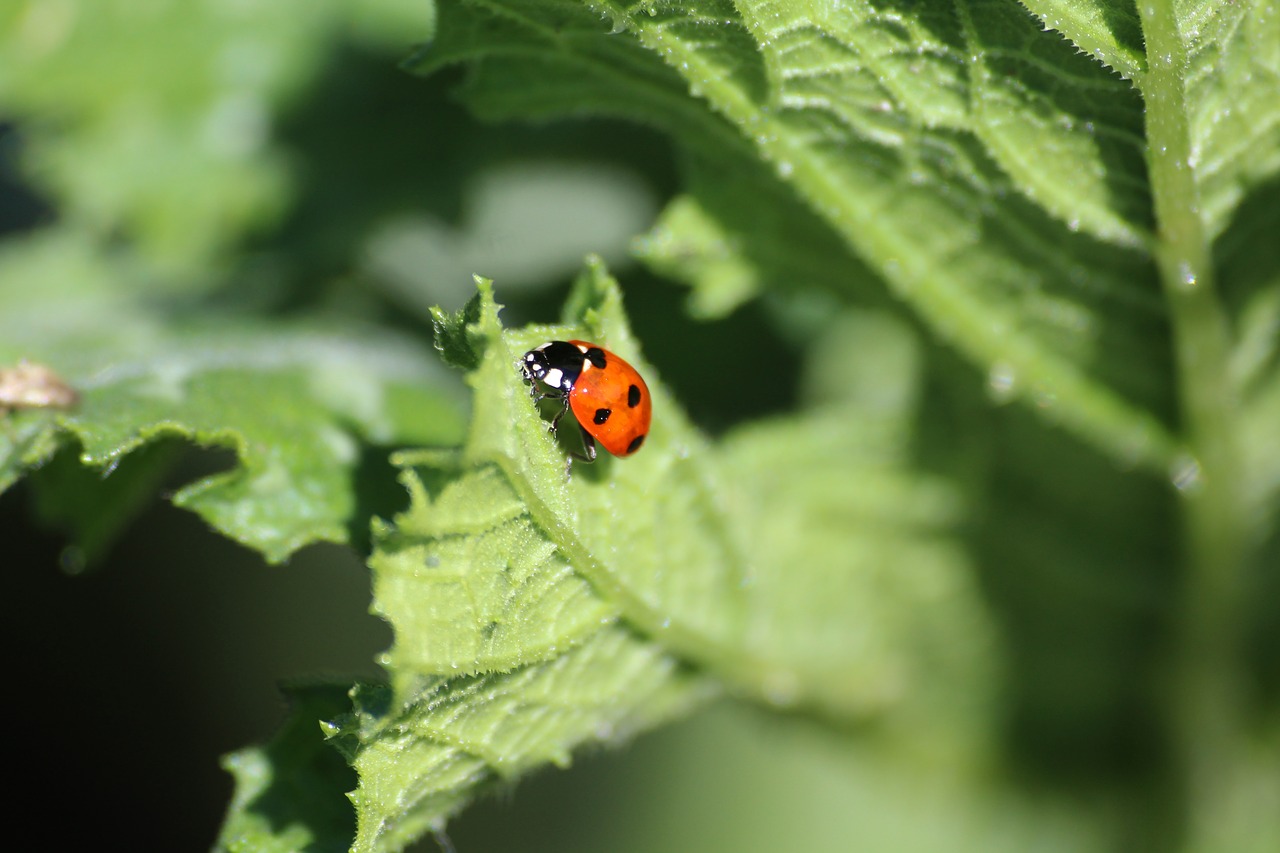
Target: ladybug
x,y
607,395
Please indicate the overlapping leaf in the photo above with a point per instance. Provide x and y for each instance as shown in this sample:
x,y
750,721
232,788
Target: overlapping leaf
x,y
288,793
995,181
1229,73
1109,32
294,401
535,613
876,119
1231,76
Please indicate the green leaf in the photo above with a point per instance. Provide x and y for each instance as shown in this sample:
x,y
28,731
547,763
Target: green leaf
x,y
1037,101
507,654
93,508
451,336
1110,32
289,794
1042,243
1251,271
431,752
293,400
1232,69
858,579
1091,230
872,118
1206,187
535,613
737,233
28,440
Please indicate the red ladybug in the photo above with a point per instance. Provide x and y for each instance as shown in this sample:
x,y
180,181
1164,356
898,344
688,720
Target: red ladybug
x,y
607,395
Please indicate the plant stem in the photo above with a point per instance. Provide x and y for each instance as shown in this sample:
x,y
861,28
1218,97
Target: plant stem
x,y
1206,695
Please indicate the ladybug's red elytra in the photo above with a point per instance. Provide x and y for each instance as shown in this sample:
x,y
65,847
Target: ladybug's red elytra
x,y
607,395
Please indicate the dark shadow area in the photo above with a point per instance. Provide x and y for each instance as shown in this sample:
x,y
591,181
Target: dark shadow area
x,y
1080,564
1262,625
21,208
379,494
1078,561
1246,257
312,779
1125,24
133,678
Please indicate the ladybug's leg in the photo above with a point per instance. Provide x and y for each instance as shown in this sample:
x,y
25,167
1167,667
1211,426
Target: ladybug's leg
x,y
588,447
555,422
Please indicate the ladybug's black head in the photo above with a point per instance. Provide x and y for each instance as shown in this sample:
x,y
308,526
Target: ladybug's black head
x,y
556,364
535,365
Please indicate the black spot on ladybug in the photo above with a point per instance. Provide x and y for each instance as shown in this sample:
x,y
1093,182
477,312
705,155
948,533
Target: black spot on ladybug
x,y
595,355
633,397
602,415
635,444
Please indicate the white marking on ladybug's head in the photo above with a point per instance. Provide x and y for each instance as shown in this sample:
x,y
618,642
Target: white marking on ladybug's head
x,y
554,377
582,348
